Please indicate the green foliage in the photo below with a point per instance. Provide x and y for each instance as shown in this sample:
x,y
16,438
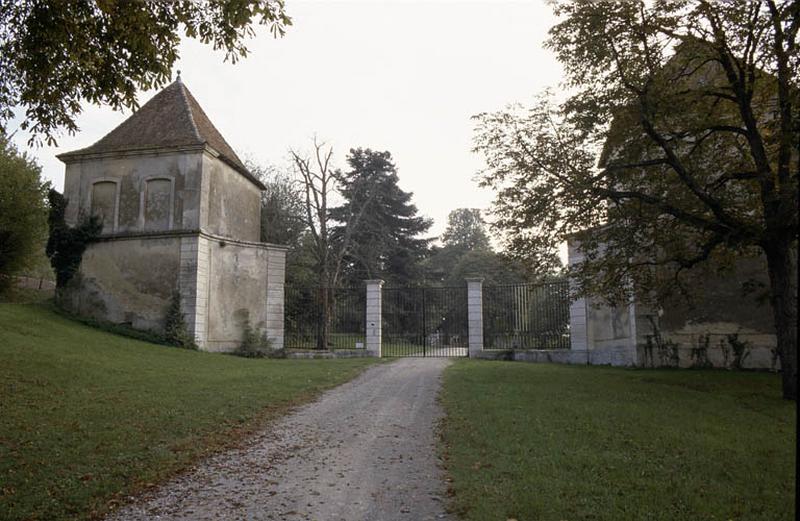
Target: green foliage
x,y
65,245
282,220
23,214
301,263
52,57
176,332
466,230
552,442
467,252
88,417
678,147
450,266
386,241
686,168
255,343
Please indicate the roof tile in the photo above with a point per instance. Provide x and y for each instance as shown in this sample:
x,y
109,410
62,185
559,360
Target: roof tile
x,y
171,118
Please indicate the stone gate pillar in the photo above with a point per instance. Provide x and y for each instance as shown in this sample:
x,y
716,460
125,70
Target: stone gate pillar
x,y
373,339
578,308
475,315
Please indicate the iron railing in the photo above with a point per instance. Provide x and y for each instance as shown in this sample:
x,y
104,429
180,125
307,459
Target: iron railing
x,y
526,316
304,318
424,322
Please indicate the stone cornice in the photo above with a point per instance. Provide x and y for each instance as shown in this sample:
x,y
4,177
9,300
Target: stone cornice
x,y
166,234
79,155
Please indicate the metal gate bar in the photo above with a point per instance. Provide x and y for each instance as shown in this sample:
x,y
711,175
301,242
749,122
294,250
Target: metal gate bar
x,y
425,322
303,318
526,316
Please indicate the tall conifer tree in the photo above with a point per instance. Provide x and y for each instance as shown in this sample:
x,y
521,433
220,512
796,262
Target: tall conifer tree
x,y
386,243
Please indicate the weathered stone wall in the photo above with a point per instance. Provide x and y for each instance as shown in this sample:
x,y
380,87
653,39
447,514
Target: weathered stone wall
x,y
246,281
130,280
724,325
727,311
599,334
150,191
234,203
126,281
184,220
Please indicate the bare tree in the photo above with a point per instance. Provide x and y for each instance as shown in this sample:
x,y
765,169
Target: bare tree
x,y
319,180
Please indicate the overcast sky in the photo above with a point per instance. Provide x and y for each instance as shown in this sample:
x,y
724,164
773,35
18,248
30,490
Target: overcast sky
x,y
400,76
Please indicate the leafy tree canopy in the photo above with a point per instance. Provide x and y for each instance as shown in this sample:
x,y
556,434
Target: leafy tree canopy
x,y
53,55
282,206
467,252
466,230
283,222
700,162
23,212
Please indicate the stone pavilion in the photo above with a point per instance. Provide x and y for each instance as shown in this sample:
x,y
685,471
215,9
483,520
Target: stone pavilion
x,y
180,212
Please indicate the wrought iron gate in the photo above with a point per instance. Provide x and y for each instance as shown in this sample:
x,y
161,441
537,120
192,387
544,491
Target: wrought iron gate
x,y
425,322
526,316
304,318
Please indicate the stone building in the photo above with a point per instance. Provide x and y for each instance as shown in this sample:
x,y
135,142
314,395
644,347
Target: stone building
x,y
180,212
728,321
722,326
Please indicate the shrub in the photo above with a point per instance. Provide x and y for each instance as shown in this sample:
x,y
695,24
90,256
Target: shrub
x,y
256,344
175,331
23,213
65,245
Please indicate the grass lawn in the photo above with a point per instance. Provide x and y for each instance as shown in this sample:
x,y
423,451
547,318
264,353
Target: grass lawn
x,y
87,417
555,442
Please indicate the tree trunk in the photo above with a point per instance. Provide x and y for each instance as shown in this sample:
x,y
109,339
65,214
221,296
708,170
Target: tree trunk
x,y
782,265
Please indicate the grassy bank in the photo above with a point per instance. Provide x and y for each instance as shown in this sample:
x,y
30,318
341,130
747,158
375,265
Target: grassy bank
x,y
552,442
88,417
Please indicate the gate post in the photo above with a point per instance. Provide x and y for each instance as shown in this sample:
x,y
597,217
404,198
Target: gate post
x,y
475,315
374,317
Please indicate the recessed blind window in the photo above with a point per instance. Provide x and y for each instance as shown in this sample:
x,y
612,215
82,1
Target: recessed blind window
x,y
157,208
104,200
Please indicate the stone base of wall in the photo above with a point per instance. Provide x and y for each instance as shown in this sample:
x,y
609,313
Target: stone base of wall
x,y
127,282
318,354
223,284
752,357
619,357
555,356
614,356
36,283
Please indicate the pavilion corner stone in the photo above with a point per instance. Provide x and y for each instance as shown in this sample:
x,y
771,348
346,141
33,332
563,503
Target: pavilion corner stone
x,y
181,213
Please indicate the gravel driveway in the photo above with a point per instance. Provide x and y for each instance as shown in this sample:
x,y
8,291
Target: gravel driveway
x,y
363,451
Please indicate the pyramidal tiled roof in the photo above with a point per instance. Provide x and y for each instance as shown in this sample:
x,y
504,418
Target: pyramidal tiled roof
x,y
172,118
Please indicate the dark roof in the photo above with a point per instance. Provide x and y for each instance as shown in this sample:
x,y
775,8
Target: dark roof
x,y
172,118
